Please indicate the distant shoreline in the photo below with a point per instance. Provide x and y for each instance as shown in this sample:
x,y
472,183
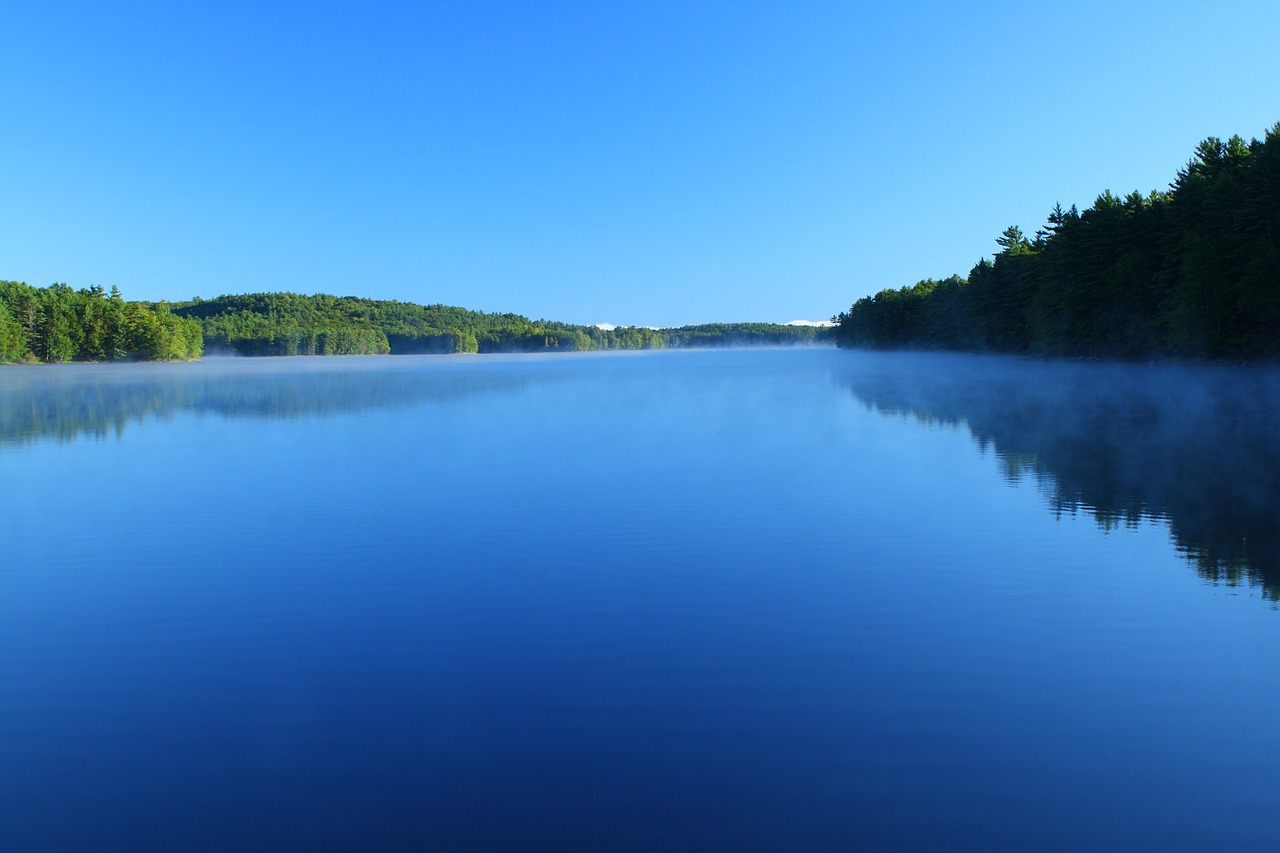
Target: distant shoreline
x,y
58,324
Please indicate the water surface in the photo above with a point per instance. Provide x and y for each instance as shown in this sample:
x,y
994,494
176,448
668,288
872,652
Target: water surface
x,y
751,600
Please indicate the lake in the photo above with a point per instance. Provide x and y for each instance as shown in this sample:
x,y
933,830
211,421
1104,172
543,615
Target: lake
x,y
754,599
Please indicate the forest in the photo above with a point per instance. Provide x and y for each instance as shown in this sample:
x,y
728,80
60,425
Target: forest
x,y
1192,272
747,334
57,323
292,324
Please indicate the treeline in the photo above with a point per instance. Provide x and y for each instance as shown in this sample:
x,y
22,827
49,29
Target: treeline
x,y
60,324
293,324
57,323
1191,272
747,334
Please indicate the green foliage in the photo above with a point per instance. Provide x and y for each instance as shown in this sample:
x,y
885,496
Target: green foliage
x,y
13,343
57,324
745,334
465,341
293,324
1193,272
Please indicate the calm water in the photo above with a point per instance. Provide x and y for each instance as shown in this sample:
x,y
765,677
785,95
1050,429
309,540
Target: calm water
x,y
745,600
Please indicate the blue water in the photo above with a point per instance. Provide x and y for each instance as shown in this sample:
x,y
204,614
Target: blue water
x,y
738,600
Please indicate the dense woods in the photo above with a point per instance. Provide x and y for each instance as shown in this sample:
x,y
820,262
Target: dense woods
x,y
57,323
291,324
1191,272
746,334
60,324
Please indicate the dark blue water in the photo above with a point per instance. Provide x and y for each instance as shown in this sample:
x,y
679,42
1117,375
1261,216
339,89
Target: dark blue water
x,y
742,600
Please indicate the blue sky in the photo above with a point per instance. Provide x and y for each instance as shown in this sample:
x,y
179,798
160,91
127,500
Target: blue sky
x,y
643,163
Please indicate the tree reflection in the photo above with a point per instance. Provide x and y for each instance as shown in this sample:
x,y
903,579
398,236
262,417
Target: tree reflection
x,y
1197,447
100,401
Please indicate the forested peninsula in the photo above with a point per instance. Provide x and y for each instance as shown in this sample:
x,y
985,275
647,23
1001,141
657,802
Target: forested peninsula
x,y
1191,273
58,324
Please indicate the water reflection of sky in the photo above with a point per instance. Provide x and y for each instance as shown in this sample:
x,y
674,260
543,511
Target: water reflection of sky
x,y
724,600
1194,446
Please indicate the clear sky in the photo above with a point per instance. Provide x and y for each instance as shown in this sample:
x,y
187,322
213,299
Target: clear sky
x,y
644,163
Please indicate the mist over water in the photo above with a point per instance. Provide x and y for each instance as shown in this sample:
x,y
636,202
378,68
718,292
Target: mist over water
x,y
741,599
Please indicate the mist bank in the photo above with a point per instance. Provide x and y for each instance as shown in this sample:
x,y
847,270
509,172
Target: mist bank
x,y
1192,272
58,324
85,401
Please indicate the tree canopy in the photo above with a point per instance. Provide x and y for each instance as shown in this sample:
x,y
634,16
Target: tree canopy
x,y
293,324
57,323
